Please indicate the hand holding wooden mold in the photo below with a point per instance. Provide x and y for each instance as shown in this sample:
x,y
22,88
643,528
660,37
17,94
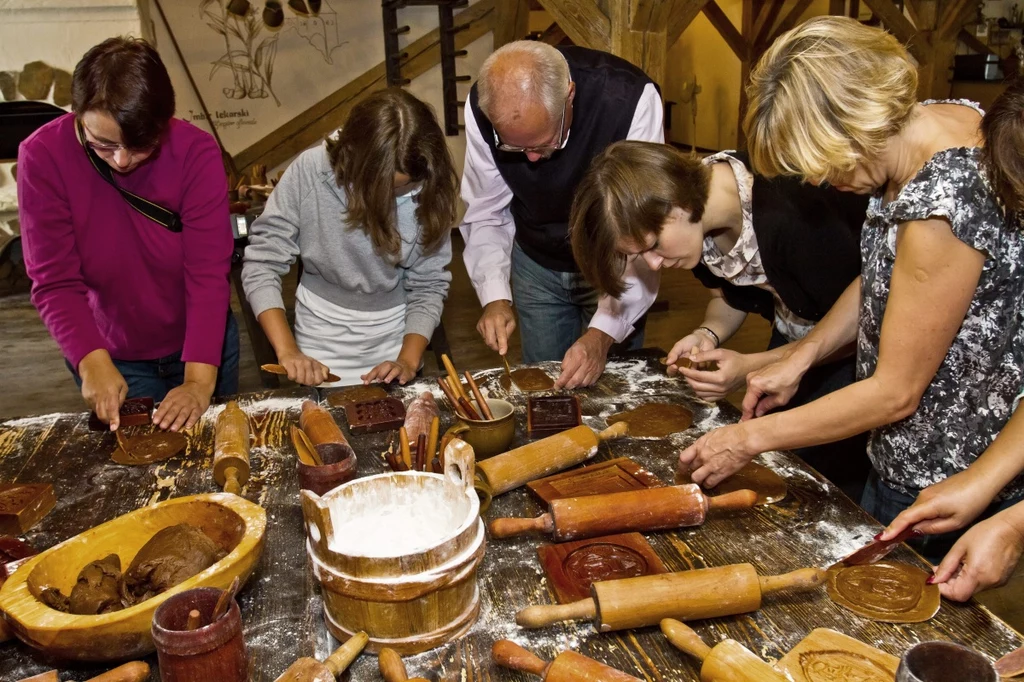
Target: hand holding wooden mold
x,y
574,518
727,661
568,666
686,595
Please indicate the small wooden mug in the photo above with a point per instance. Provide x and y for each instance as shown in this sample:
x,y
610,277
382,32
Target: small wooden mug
x,y
488,437
940,661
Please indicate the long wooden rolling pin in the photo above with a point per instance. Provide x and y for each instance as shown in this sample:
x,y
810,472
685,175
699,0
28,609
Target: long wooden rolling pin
x,y
392,668
514,468
575,518
136,671
311,670
231,449
686,595
727,661
321,428
568,666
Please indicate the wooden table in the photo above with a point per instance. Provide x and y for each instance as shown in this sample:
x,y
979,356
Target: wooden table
x,y
281,605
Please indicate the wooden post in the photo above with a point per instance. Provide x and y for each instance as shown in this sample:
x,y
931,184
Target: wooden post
x,y
511,21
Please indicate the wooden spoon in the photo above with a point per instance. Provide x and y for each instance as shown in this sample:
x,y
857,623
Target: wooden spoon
x,y
225,601
304,448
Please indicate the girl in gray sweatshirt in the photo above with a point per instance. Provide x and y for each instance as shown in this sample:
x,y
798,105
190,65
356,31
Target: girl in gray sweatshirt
x,y
370,214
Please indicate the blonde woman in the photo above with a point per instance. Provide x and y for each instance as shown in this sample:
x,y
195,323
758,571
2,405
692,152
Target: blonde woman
x,y
935,312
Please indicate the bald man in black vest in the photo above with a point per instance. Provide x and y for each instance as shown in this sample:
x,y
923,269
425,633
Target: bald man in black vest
x,y
536,117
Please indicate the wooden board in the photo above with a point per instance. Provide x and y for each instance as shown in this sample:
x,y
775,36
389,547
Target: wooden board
x,y
23,505
829,656
550,414
386,414
571,567
613,476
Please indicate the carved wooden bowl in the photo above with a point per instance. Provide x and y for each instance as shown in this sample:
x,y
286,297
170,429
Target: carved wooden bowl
x,y
234,523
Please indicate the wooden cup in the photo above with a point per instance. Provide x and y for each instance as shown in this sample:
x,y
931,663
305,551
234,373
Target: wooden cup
x,y
215,651
488,437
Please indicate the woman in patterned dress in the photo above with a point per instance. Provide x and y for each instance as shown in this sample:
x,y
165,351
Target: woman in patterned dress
x,y
935,312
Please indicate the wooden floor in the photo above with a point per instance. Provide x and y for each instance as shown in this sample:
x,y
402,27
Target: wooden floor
x,y
34,379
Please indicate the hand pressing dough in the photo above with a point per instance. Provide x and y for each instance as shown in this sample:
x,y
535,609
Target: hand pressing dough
x,y
769,486
654,420
529,379
356,394
148,448
888,592
172,556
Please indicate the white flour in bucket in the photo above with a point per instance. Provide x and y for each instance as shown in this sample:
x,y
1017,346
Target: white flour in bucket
x,y
396,521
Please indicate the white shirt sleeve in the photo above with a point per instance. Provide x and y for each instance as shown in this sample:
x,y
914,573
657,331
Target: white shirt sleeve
x,y
487,227
615,317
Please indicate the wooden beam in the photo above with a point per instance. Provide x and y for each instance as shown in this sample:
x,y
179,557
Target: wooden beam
x,y
914,10
327,115
553,35
641,13
682,15
789,21
855,9
901,27
837,8
583,21
644,49
511,21
762,25
953,19
732,36
971,41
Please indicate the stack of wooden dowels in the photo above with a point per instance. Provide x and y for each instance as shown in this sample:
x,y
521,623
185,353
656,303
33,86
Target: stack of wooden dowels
x,y
460,400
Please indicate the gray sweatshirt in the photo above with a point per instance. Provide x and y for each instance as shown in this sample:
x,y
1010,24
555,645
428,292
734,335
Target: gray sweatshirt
x,y
305,216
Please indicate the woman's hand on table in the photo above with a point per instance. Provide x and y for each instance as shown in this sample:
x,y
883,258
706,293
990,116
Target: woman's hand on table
x,y
716,385
945,506
772,386
389,371
694,342
103,387
984,557
303,369
183,405
719,454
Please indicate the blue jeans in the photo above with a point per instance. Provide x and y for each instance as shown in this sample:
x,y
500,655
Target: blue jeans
x,y
154,378
885,504
554,309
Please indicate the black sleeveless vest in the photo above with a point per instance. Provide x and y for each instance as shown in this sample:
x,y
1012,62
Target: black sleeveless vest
x,y
607,91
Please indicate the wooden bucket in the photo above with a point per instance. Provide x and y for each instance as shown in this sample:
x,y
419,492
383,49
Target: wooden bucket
x,y
406,576
234,523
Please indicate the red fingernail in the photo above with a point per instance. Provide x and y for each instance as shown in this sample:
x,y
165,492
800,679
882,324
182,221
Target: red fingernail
x,y
931,580
879,536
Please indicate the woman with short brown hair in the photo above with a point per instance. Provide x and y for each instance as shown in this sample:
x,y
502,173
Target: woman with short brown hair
x,y
370,215
941,294
124,220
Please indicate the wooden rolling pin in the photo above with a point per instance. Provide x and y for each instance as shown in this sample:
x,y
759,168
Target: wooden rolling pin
x,y
686,595
568,666
136,671
311,670
544,457
319,425
575,518
231,449
392,668
727,661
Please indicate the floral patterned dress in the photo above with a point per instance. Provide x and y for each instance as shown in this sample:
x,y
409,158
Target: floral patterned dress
x,y
971,396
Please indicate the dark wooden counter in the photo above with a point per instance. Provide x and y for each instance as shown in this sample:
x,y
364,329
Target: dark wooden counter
x,y
281,606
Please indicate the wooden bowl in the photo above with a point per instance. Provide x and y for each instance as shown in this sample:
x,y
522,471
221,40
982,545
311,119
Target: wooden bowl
x,y
232,522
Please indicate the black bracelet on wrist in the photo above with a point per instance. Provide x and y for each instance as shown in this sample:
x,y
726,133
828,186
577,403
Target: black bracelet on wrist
x,y
718,341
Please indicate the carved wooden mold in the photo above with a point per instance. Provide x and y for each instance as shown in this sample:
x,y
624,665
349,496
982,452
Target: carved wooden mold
x,y
613,476
571,567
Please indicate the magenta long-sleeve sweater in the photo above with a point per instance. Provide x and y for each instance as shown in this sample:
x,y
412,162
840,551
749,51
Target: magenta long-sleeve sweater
x,y
105,276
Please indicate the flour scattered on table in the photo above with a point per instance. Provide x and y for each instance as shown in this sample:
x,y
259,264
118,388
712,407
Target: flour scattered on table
x,y
42,421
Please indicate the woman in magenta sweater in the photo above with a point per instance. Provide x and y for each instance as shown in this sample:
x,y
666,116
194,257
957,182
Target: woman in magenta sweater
x,y
124,222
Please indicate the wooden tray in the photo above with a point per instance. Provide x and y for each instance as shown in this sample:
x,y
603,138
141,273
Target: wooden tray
x,y
23,505
551,414
571,567
231,521
613,476
386,414
828,655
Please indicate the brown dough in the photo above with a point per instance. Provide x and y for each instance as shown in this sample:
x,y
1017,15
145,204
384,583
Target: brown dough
x,y
597,562
356,394
97,590
172,556
55,599
829,666
532,379
149,448
654,420
888,592
769,486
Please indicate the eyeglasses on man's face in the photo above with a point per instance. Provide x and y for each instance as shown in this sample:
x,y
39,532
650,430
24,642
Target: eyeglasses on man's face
x,y
541,149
